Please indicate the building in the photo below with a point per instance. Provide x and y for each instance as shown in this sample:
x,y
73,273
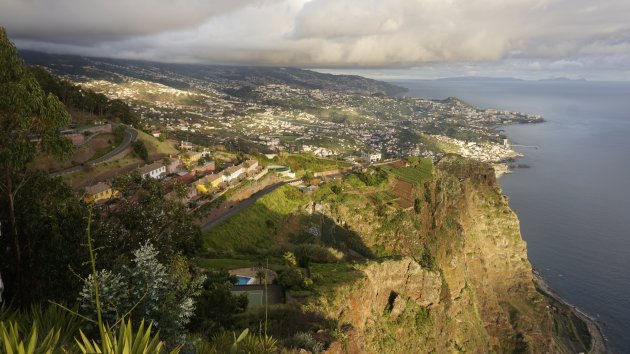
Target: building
x,y
154,170
213,181
260,174
99,192
371,157
156,133
206,169
282,171
216,180
185,177
250,165
185,145
190,158
173,165
234,172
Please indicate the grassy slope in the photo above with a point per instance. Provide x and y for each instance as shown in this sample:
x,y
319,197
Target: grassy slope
x,y
257,223
416,174
154,146
88,174
301,163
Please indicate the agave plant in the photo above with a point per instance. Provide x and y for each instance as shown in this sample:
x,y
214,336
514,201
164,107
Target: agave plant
x,y
12,341
53,318
127,341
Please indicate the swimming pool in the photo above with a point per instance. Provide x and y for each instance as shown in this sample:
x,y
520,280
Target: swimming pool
x,y
243,280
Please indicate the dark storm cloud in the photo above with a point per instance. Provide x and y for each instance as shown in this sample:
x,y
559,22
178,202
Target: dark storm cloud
x,y
334,33
85,21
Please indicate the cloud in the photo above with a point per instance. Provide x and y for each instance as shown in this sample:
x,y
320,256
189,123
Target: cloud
x,y
83,21
542,34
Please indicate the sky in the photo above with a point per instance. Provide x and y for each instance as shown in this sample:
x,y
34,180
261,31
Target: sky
x,y
380,38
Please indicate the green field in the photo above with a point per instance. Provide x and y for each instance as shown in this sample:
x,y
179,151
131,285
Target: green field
x,y
419,173
256,225
154,146
305,163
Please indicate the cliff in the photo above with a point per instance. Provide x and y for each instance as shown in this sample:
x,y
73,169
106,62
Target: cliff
x,y
453,275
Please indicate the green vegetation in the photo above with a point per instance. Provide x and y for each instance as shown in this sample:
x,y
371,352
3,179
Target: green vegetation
x,y
374,177
141,150
77,98
256,224
329,276
26,111
88,173
304,163
155,146
420,170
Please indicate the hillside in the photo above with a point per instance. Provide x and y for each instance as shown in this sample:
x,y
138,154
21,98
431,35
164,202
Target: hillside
x,y
184,75
405,259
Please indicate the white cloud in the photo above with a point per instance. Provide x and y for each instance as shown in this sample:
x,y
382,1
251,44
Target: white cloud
x,y
544,34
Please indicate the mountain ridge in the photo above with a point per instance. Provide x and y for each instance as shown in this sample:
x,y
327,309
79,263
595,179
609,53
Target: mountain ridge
x,y
183,75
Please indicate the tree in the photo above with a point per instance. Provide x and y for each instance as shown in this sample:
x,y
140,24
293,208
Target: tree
x,y
30,121
141,150
417,205
261,275
217,307
143,213
50,218
148,290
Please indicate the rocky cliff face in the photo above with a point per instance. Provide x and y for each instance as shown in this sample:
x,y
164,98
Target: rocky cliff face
x,y
461,282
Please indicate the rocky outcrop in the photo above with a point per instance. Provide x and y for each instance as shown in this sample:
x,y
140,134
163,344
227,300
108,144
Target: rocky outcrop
x,y
462,283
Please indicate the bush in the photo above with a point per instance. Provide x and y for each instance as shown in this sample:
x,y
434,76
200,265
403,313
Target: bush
x,y
317,253
305,341
141,150
373,177
294,278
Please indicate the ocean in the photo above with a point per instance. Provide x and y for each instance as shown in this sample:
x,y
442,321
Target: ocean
x,y
574,201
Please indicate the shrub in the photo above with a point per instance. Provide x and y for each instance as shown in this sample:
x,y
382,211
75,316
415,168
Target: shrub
x,y
141,150
294,278
305,341
317,254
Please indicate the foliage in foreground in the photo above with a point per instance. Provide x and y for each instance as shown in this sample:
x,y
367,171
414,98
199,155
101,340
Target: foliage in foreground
x,y
13,341
147,290
128,341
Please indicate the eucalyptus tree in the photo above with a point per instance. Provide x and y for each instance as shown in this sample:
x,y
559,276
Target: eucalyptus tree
x,y
30,122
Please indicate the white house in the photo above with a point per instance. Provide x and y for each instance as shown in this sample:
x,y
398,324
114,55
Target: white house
x,y
371,156
234,172
154,170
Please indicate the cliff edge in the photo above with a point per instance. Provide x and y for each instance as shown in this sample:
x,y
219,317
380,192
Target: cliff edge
x,y
453,275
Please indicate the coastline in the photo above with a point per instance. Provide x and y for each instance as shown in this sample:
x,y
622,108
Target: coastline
x,y
598,339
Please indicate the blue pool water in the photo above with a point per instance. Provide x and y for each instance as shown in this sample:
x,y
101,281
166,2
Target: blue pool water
x,y
242,280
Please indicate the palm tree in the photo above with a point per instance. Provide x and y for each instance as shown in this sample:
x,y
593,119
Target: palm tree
x,y
261,275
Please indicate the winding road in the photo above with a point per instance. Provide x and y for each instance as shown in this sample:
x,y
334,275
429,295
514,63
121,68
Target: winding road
x,y
131,135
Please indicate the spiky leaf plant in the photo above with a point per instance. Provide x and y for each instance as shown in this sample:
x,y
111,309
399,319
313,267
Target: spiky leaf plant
x,y
12,341
128,341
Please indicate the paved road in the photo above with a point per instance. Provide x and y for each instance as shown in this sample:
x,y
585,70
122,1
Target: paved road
x,y
242,205
131,135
